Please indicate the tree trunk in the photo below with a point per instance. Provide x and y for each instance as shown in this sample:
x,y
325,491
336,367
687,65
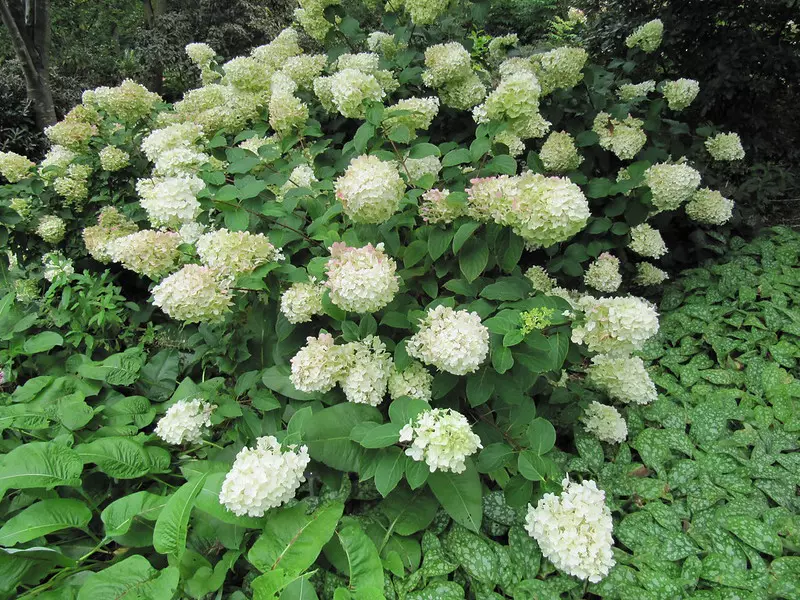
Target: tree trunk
x,y
29,29
152,10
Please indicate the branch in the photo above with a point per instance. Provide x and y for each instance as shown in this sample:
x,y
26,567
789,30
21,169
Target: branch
x,y
20,47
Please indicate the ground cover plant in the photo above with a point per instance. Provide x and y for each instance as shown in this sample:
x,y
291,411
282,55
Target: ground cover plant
x,y
325,327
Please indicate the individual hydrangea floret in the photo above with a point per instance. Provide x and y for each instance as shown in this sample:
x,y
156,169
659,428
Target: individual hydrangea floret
x,y
647,242
194,294
671,185
366,377
361,280
454,341
170,201
647,36
370,189
263,477
302,301
15,167
319,365
680,93
603,273
605,423
725,146
709,207
415,382
559,154
624,138
628,92
618,325
561,68
184,422
111,224
540,280
51,229
235,253
436,208
648,274
622,378
153,254
573,530
113,158
419,167
56,266
442,438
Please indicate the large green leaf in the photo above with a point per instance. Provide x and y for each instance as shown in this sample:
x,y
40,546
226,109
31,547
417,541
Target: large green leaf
x,y
131,579
327,434
117,457
409,512
120,514
40,465
364,564
44,517
460,495
169,536
42,342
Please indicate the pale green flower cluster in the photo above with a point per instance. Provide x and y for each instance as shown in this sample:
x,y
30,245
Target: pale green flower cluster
x,y
319,365
603,273
201,54
286,111
194,294
622,378
671,185
51,229
22,206
311,16
55,162
71,133
419,167
421,112
15,167
709,207
680,93
153,254
26,290
113,158
725,146
624,138
449,71
425,12
358,78
128,103
498,46
73,186
384,43
629,92
413,382
647,242
435,207
454,341
647,36
304,69
605,423
111,224
559,154
361,280
370,189
302,301
301,176
441,438
540,280
235,253
561,68
648,274
616,325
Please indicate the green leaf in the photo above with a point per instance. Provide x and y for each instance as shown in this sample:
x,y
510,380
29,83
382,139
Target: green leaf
x,y
753,533
586,138
414,252
599,188
390,470
502,164
404,409
422,150
292,540
480,387
438,241
463,234
382,436
40,465
299,589
473,553
43,518
473,258
460,495
365,568
494,456
42,342
502,359
130,579
169,535
541,436
507,289
120,514
118,457
530,466
207,501
327,434
363,136
417,472
409,511
277,379
458,156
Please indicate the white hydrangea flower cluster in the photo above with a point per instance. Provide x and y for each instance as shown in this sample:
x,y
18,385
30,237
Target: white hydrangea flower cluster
x,y
384,43
170,201
618,325
647,36
628,92
369,366
113,158
304,69
646,241
246,74
191,232
454,341
561,68
302,176
442,438
56,265
128,103
648,274
254,143
153,254
436,208
287,112
449,71
559,154
573,530
55,162
15,167
725,146
51,229
419,167
605,423
302,301
710,207
622,378
175,149
263,477
73,186
425,12
421,112
370,189
415,382
201,54
362,279
358,77
71,133
311,16
680,93
671,185
624,138
111,224
540,280
603,273
318,365
184,421
542,210
194,294
235,253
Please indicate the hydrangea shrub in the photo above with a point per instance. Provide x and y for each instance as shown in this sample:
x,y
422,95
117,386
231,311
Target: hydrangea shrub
x,y
357,271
